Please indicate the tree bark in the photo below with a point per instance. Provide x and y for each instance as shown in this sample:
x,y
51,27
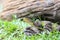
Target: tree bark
x,y
30,8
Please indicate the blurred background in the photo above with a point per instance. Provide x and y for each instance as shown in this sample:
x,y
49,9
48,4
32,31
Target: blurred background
x,y
1,5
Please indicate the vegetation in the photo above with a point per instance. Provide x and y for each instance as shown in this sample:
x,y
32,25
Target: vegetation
x,y
14,31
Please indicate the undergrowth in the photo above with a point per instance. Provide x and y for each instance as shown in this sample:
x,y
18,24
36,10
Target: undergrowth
x,y
14,31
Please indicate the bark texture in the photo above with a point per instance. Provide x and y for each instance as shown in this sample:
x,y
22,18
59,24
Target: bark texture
x,y
30,8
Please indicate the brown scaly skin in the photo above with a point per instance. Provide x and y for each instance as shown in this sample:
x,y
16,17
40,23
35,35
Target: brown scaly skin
x,y
47,28
31,31
37,28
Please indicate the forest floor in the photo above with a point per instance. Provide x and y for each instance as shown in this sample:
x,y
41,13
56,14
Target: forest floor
x,y
14,31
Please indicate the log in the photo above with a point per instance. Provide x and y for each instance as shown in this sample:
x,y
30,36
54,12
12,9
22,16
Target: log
x,y
30,8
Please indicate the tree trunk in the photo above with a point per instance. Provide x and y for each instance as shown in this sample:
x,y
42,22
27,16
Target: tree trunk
x,y
31,8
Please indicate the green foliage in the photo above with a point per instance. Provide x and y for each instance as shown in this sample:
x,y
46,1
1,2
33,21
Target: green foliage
x,y
10,28
14,31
